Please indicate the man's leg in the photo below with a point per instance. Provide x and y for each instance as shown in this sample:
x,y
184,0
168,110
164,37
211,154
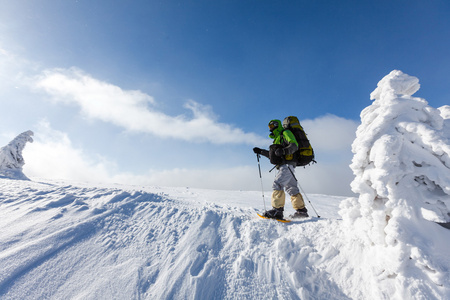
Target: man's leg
x,y
278,198
296,198
278,194
297,201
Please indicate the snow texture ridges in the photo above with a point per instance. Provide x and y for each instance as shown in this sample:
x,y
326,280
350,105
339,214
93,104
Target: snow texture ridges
x,y
71,242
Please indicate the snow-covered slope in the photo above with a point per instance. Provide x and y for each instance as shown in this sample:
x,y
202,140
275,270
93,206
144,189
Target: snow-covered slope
x,y
63,241
75,241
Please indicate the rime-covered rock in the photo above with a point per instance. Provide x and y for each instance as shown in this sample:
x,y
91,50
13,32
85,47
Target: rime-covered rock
x,y
401,165
11,159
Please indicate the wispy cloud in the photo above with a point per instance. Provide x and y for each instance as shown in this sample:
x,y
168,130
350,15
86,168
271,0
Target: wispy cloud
x,y
331,133
53,156
135,111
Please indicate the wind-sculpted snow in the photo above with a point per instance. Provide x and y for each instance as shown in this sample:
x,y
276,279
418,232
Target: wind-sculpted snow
x,y
65,241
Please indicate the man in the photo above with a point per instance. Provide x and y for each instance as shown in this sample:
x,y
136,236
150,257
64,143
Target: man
x,y
281,154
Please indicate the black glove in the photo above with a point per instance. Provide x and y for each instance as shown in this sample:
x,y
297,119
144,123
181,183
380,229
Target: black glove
x,y
279,152
257,150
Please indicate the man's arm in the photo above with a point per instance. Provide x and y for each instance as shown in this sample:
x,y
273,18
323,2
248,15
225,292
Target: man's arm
x,y
292,142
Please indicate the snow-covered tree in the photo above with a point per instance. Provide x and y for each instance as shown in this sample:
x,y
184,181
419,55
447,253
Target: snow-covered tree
x,y
401,165
11,159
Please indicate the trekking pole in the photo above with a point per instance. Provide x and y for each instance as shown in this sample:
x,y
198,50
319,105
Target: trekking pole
x,y
306,196
260,177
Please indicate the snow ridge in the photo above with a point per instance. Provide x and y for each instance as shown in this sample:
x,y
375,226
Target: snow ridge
x,y
60,241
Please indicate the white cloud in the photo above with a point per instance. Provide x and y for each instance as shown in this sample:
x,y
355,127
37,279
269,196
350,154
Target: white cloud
x,y
135,111
327,178
331,133
52,155
331,137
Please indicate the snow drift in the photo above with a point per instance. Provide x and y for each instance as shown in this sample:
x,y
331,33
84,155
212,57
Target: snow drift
x,y
402,175
11,159
76,241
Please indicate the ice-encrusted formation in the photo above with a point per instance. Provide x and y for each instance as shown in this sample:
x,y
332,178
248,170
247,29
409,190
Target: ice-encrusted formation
x,y
11,159
402,175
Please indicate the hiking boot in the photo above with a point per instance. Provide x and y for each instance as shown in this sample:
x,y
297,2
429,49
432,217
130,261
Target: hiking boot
x,y
300,213
275,213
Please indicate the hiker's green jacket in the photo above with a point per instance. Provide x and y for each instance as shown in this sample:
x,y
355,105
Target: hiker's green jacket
x,y
287,140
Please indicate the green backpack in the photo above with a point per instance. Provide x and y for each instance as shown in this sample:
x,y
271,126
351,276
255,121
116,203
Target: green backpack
x,y
305,153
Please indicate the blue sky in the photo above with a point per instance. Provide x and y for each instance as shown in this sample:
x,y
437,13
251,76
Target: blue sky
x,y
186,88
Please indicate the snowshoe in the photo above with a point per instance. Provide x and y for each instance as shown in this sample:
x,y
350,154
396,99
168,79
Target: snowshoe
x,y
275,213
300,214
278,220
